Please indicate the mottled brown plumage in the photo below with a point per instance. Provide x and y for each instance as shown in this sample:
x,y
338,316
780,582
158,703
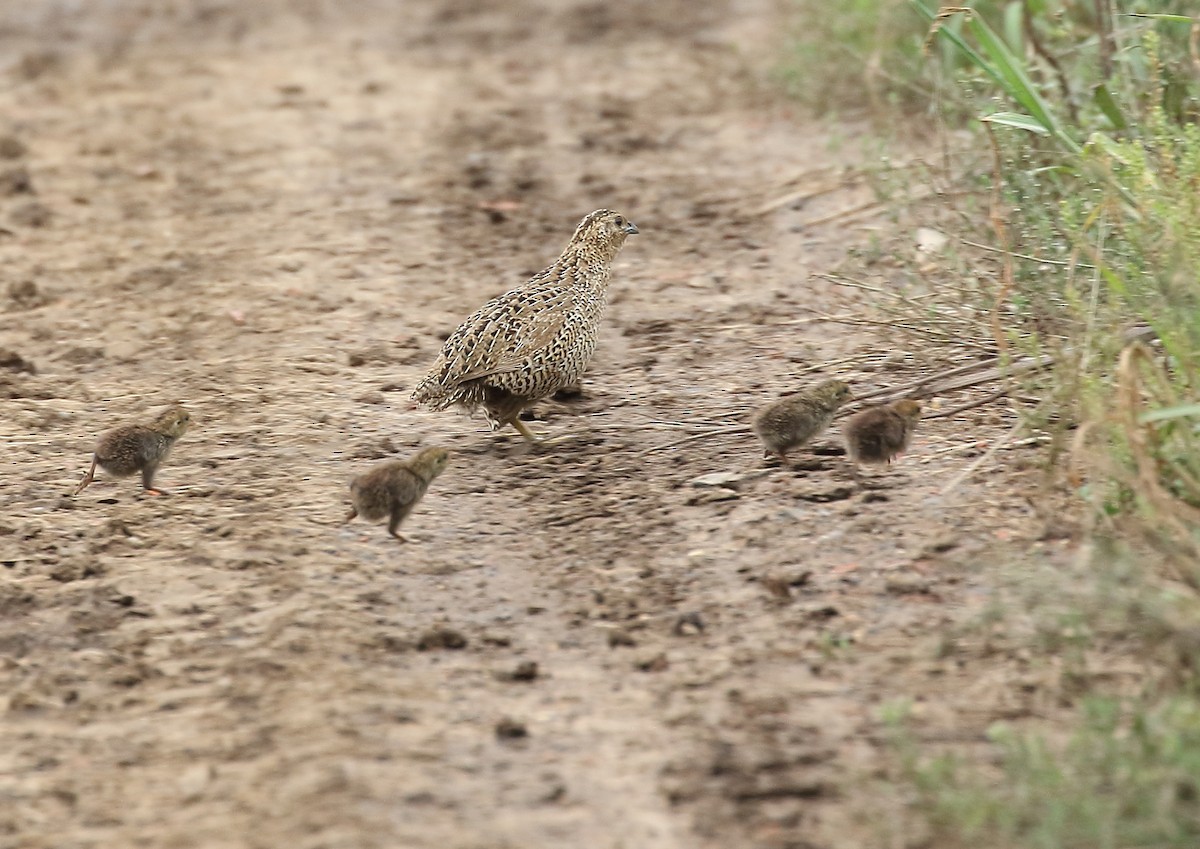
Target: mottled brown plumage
x,y
132,448
797,419
880,434
533,340
391,490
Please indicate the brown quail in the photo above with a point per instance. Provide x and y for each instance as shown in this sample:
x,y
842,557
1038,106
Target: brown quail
x,y
533,340
391,490
880,434
795,420
132,448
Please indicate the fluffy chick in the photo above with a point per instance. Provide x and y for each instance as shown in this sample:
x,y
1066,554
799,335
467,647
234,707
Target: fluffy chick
x,y
880,434
132,448
795,420
532,341
391,490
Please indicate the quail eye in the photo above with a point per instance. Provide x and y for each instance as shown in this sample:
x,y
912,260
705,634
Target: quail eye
x,y
620,221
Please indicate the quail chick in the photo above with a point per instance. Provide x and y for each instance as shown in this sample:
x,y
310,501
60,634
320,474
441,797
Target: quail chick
x,y
391,490
880,434
533,340
795,420
132,448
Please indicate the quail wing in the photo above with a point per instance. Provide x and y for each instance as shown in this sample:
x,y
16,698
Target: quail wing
x,y
504,334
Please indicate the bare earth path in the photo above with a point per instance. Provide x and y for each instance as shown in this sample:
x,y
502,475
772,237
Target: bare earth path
x,y
272,215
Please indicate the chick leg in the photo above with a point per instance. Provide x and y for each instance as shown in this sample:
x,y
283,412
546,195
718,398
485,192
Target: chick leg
x,y
148,480
398,515
352,516
88,478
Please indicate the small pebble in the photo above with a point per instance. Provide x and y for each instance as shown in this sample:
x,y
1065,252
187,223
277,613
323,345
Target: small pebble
x,y
511,729
441,638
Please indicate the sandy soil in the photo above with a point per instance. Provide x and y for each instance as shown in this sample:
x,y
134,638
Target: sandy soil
x,y
274,213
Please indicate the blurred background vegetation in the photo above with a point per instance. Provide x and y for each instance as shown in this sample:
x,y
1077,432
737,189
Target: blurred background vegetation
x,y
1072,130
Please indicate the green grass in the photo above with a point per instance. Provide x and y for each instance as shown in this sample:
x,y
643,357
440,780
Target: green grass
x,y
1123,778
1124,771
1086,123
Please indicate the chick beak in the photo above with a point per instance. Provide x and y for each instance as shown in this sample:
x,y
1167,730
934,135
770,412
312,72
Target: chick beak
x,y
630,227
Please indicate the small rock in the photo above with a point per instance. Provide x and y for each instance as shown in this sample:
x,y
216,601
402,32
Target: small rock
x,y
711,496
82,354
655,663
718,479
193,780
940,545
13,361
526,670
31,214
441,638
827,449
825,495
37,63
68,571
118,527
375,450
907,585
930,241
26,295
511,729
688,624
777,586
619,637
15,181
12,147
801,578
371,397
392,642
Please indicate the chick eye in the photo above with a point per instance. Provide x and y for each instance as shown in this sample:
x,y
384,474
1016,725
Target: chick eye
x,y
620,221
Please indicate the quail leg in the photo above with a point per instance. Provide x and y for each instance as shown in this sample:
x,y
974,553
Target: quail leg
x,y
524,430
351,516
88,478
398,514
148,481
541,441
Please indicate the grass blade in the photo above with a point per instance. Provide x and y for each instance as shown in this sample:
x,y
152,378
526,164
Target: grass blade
x,y
1021,122
1180,411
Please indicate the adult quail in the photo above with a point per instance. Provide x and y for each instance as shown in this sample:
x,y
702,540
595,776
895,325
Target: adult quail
x,y
531,341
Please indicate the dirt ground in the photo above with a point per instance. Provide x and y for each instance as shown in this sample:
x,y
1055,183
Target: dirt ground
x,y
274,213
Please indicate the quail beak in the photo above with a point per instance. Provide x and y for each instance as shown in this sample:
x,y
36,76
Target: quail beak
x,y
630,228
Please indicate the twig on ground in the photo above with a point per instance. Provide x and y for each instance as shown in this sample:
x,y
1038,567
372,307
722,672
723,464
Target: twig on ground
x,y
962,408
981,459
